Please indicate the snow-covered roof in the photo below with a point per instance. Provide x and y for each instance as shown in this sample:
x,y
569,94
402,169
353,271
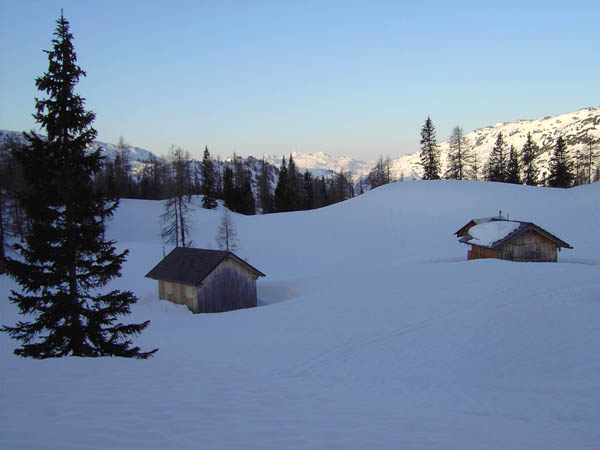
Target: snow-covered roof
x,y
488,219
486,234
496,232
477,222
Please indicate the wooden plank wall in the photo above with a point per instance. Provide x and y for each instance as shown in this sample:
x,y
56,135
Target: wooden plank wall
x,y
530,246
178,293
478,252
230,286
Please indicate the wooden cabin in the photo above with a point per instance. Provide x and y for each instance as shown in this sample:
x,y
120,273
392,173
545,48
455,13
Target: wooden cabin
x,y
207,281
511,240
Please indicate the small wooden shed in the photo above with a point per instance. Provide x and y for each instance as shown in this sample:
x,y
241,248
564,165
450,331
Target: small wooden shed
x,y
207,281
511,240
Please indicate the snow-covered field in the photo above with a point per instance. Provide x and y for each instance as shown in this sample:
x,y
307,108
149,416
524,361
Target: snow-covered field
x,y
376,333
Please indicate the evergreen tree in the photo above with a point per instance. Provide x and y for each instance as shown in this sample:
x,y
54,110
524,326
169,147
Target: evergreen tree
x,y
529,154
229,195
561,166
282,189
65,260
294,189
244,198
513,168
208,181
430,153
459,155
265,197
308,200
497,163
247,203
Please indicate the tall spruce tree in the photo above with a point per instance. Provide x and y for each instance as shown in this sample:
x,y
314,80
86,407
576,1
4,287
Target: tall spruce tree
x,y
282,189
209,201
529,154
498,162
430,153
294,190
308,198
561,166
65,260
265,197
513,167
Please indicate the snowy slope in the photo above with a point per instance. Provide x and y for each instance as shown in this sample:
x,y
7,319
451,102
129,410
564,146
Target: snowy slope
x,y
576,128
377,334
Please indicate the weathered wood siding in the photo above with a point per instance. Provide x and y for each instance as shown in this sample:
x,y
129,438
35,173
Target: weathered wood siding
x,y
178,293
230,286
530,246
477,252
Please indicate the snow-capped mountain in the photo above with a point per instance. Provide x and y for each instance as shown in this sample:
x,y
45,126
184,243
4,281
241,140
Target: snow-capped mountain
x,y
577,128
321,163
136,155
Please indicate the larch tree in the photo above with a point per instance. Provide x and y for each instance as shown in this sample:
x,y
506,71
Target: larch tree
x,y
226,237
65,262
591,156
459,155
430,153
561,166
381,173
176,220
474,167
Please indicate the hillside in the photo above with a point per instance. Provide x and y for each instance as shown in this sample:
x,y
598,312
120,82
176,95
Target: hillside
x,y
577,128
376,333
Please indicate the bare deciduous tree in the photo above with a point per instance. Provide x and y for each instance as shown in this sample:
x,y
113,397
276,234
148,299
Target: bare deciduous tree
x,y
227,234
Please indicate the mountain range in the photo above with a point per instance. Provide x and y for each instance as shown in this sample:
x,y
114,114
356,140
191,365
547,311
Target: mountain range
x,y
579,129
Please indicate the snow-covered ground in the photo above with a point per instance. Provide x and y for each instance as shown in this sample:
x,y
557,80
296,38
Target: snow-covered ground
x,y
376,333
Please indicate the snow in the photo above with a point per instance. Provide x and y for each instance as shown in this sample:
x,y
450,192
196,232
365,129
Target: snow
x,y
377,333
485,234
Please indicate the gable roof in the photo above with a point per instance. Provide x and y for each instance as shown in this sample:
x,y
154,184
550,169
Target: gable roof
x,y
512,234
192,265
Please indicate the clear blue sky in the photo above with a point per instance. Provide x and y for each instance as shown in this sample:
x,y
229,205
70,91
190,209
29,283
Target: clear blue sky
x,y
343,77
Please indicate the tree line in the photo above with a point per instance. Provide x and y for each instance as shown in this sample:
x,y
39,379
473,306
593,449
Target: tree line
x,y
507,164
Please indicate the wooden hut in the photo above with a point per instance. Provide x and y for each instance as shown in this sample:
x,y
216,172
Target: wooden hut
x,y
512,240
207,281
